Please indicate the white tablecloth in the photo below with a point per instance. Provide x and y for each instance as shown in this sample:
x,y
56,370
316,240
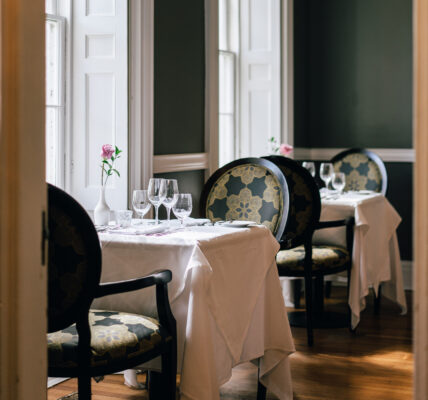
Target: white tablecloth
x,y
225,295
376,256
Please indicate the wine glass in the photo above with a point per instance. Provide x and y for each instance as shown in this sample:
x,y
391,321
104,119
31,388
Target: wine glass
x,y
182,207
141,203
326,173
171,196
339,181
310,166
157,193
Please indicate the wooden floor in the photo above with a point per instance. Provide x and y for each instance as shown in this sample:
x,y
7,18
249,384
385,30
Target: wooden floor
x,y
375,363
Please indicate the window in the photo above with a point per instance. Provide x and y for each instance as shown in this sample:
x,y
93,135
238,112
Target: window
x,y
55,103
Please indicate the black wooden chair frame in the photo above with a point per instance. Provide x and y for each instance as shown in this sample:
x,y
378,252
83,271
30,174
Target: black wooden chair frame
x,y
80,312
249,160
305,239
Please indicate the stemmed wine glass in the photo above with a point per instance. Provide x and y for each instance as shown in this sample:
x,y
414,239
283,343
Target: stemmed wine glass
x,y
326,173
157,193
339,181
182,207
141,203
170,196
310,166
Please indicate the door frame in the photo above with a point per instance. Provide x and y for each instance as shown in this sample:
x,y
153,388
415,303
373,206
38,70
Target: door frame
x,y
23,290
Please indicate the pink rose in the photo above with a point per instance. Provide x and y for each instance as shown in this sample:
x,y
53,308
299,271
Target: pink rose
x,y
107,151
285,149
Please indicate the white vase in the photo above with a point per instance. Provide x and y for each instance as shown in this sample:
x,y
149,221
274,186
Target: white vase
x,y
102,210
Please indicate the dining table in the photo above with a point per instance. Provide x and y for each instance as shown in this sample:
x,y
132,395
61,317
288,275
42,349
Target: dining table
x,y
376,255
225,295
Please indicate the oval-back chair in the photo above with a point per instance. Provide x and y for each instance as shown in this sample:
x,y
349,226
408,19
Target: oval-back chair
x,y
84,343
298,257
250,189
364,170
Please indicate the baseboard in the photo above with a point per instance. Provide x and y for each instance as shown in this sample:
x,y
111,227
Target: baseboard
x,y
407,266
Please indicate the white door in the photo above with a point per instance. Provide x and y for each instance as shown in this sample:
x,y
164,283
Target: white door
x,y
100,98
260,75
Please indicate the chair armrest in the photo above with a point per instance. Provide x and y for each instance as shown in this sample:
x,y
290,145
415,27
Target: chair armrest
x,y
156,278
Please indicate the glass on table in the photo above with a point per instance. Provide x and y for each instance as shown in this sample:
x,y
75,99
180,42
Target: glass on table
x,y
171,188
141,203
310,166
157,193
326,173
182,207
123,218
339,181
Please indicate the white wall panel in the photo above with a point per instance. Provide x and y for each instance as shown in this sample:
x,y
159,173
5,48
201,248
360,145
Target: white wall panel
x,y
100,46
103,8
260,76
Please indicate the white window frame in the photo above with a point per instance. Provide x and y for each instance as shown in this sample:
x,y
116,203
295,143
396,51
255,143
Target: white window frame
x,y
61,106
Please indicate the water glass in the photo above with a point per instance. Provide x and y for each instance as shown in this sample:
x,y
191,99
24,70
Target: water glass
x,y
171,188
339,181
141,202
157,193
310,166
123,218
326,173
182,207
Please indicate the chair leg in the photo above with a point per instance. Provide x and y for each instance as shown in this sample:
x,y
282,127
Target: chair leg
x,y
318,294
261,389
328,289
377,300
84,387
308,298
297,287
169,373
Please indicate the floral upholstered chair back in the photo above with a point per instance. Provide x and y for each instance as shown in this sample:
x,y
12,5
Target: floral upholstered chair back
x,y
364,170
249,189
305,203
74,265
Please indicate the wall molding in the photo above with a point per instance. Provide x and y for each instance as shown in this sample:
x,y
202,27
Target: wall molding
x,y
211,87
180,162
387,155
141,94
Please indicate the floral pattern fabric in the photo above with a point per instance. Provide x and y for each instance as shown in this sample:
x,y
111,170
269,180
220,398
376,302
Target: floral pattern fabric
x,y
246,192
324,258
115,336
361,172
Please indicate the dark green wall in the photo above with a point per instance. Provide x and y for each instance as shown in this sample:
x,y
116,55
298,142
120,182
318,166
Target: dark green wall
x,y
179,88
353,65
179,53
353,85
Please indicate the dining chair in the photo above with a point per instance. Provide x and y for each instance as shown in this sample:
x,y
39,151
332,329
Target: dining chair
x,y
84,342
363,169
298,257
249,189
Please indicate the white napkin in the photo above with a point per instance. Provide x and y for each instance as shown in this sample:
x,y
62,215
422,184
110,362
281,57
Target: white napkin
x,y
140,230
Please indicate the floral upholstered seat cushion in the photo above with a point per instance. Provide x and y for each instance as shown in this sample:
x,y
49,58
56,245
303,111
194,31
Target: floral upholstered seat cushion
x,y
324,258
361,172
115,336
247,192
